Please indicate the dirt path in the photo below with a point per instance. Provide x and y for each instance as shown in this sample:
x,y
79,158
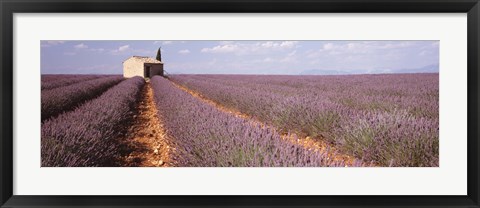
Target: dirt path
x,y
146,137
317,144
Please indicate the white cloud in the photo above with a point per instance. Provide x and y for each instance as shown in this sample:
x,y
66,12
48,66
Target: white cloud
x,y
240,48
80,46
162,42
126,49
221,49
328,46
288,44
123,48
55,42
396,44
119,50
359,48
278,45
48,43
184,51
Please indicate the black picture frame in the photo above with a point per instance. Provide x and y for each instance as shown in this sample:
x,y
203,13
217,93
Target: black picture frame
x,y
9,7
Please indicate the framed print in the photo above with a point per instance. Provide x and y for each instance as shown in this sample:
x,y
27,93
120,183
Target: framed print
x,y
247,104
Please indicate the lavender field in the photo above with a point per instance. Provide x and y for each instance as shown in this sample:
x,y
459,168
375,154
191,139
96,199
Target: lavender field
x,y
241,120
392,120
208,137
64,98
88,135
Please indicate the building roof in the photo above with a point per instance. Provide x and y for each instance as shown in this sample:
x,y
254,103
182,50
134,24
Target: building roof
x,y
145,59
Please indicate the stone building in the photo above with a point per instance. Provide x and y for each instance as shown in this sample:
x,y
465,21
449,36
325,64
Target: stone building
x,y
143,66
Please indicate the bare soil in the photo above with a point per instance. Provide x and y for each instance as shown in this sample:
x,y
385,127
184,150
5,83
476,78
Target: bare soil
x,y
146,138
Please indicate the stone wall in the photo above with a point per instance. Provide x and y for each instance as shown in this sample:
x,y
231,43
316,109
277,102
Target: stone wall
x,y
132,68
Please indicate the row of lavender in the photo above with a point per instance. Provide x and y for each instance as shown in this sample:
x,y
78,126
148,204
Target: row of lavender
x,y
53,77
390,119
63,99
208,137
53,81
89,135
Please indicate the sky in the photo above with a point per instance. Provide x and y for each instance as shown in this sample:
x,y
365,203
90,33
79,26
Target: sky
x,y
243,57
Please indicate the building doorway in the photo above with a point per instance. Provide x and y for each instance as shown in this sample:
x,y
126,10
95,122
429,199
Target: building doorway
x,y
147,72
